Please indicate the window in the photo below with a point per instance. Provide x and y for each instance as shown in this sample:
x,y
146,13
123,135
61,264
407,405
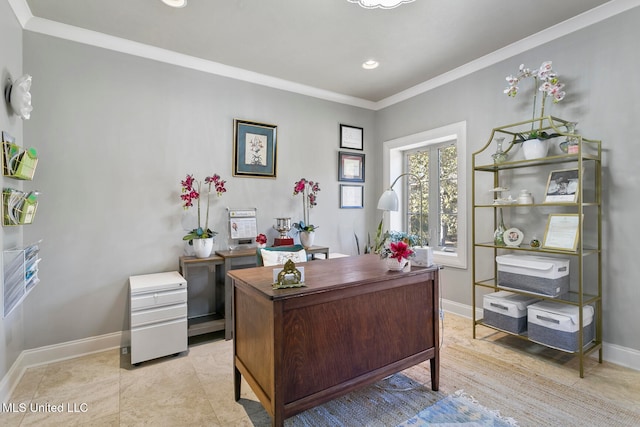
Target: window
x,y
437,157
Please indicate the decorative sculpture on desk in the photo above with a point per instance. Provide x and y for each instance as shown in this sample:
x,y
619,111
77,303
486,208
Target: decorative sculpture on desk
x,y
289,277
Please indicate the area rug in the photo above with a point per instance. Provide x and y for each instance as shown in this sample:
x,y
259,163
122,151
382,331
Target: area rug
x,y
395,399
456,410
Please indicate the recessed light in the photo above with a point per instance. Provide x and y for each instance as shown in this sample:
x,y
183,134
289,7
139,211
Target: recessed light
x,y
370,64
175,3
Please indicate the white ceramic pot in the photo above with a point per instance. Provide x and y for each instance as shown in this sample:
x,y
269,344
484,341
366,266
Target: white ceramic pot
x,y
203,247
535,148
307,238
394,264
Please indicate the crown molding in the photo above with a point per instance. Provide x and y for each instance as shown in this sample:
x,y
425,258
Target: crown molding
x,y
56,29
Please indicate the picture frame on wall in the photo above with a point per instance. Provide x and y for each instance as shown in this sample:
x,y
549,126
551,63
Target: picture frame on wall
x,y
562,186
254,149
350,166
351,137
351,196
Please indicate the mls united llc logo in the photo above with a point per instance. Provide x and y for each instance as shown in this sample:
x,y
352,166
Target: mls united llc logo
x,y
45,407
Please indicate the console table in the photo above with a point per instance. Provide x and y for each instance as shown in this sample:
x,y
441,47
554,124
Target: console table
x,y
243,258
353,324
205,322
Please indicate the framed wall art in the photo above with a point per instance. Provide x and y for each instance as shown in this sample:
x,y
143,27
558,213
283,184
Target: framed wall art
x,y
254,149
350,167
351,196
562,186
351,137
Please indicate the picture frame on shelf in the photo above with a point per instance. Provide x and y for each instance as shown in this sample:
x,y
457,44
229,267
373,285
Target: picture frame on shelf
x,y
254,149
350,166
351,137
351,196
562,232
562,186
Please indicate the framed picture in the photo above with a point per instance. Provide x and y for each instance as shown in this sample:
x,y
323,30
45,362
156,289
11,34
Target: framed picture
x,y
562,186
254,149
562,232
351,196
351,137
350,167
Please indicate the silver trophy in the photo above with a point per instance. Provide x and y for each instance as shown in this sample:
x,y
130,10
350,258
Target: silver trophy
x,y
283,225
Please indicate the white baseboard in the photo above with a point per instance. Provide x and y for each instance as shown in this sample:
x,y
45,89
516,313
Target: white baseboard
x,y
55,353
612,353
622,356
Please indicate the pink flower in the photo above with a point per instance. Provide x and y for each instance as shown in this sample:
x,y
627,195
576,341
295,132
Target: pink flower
x,y
261,238
400,250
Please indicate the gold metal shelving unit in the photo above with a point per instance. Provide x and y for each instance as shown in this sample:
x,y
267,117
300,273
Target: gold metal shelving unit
x,y
586,286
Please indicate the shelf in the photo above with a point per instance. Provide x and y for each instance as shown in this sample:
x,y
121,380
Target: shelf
x,y
585,278
571,298
583,253
205,324
586,350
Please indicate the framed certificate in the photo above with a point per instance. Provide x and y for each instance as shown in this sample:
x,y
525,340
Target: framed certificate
x,y
562,232
351,137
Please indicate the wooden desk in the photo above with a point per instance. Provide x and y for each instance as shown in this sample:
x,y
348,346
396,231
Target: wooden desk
x,y
353,324
206,322
244,258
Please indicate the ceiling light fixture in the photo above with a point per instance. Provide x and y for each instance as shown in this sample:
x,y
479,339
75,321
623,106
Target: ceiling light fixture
x,y
175,3
381,4
370,64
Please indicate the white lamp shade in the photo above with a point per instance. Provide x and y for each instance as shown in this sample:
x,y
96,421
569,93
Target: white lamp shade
x,y
388,201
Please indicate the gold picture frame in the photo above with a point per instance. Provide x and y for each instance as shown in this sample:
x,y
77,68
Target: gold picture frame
x,y
562,232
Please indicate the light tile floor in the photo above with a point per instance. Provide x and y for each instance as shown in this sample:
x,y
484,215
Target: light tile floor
x,y
196,387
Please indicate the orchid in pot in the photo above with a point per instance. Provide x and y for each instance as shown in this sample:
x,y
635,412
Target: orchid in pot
x,y
309,191
546,81
202,236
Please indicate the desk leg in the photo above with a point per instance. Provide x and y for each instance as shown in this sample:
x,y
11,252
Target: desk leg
x,y
435,373
237,380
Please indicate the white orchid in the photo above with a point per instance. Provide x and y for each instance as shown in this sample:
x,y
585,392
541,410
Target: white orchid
x,y
550,86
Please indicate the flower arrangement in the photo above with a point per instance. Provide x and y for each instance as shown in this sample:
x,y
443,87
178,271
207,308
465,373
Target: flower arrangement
x,y
398,245
309,191
397,250
546,81
191,190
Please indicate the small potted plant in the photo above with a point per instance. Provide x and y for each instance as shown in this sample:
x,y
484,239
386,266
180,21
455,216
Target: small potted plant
x,y
261,240
201,237
309,191
397,250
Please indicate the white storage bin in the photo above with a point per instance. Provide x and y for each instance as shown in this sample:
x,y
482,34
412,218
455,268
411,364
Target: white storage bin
x,y
539,275
507,311
557,325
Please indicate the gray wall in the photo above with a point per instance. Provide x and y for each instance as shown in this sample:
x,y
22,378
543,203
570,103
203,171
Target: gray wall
x,y
12,327
597,64
116,134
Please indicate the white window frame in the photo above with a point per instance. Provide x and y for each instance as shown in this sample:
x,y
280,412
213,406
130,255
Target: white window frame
x,y
393,159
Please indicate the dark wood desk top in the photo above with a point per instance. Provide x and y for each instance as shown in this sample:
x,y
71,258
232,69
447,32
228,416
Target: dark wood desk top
x,y
325,274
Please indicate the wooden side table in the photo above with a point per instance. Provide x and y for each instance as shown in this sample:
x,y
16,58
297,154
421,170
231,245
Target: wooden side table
x,y
207,322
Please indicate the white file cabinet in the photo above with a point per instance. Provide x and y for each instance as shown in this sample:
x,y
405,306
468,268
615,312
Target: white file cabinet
x,y
158,315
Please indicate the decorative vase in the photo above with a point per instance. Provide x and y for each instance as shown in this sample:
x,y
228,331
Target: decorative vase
x,y
307,238
499,156
570,145
498,235
203,247
395,264
535,148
